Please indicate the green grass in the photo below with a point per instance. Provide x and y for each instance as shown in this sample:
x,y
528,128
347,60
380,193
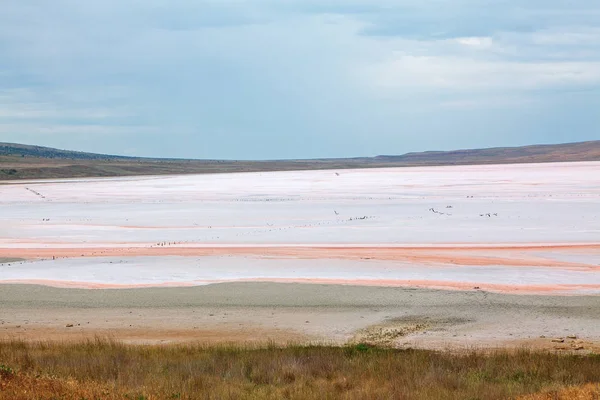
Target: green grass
x,y
105,369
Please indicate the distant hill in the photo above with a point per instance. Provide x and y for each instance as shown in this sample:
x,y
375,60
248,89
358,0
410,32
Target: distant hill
x,y
580,151
24,150
19,161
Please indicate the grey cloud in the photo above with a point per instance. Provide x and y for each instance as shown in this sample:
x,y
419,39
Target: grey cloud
x,y
277,79
448,19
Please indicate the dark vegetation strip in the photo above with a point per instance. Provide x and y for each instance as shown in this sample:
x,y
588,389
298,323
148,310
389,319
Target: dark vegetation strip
x,y
109,370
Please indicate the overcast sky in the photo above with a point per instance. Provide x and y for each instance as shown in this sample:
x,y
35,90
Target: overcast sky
x,y
264,79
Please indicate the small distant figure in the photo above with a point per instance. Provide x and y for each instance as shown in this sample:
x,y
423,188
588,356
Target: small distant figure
x,y
336,213
336,174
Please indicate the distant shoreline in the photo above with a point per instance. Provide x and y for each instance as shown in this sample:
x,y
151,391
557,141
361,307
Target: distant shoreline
x,y
21,162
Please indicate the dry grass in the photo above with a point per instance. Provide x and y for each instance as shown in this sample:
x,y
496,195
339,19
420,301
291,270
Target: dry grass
x,y
109,370
585,392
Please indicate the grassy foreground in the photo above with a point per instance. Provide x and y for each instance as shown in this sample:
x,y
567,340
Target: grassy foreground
x,y
109,370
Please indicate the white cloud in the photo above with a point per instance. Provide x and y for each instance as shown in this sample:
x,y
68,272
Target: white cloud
x,y
561,37
14,110
29,128
464,74
476,42
490,102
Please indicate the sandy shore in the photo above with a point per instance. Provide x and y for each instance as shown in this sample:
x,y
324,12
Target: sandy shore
x,y
259,312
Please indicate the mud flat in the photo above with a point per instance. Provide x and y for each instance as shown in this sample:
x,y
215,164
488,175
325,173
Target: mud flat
x,y
261,312
6,260
314,255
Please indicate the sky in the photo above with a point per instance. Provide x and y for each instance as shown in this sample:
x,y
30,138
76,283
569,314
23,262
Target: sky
x,y
276,79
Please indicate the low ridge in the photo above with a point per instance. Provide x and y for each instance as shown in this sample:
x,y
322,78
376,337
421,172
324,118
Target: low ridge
x,y
19,161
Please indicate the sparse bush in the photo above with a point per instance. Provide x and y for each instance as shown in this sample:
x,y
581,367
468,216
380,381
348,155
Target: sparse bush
x,y
6,372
